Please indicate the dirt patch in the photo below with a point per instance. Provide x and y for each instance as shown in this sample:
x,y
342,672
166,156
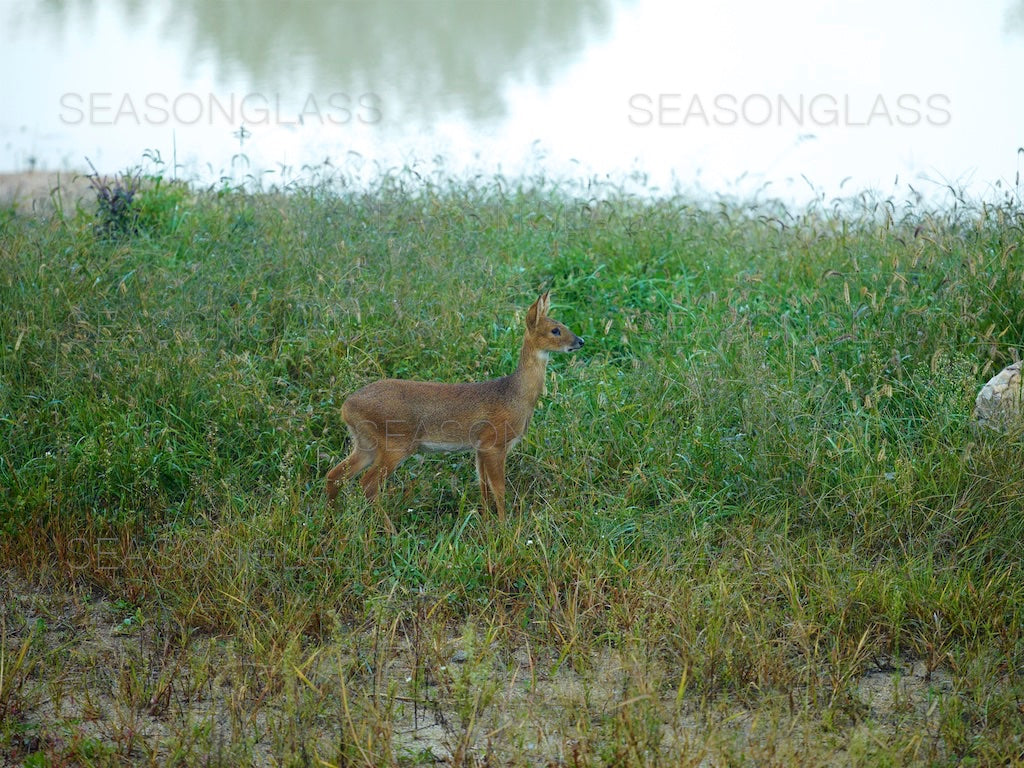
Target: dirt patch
x,y
101,678
892,692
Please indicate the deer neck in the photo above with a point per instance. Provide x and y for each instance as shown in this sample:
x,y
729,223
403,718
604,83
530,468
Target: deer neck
x,y
529,374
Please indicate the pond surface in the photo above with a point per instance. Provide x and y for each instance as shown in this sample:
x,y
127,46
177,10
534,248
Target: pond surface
x,y
791,100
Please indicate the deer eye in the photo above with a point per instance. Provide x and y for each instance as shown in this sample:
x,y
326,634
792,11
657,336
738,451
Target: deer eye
x,y
556,331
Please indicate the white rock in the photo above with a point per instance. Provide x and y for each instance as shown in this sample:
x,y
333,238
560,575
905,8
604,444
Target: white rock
x,y
998,405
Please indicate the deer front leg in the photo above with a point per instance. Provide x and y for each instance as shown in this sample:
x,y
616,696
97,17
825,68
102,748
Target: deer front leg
x,y
491,466
356,462
383,465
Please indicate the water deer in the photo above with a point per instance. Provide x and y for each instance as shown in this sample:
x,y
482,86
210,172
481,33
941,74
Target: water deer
x,y
392,419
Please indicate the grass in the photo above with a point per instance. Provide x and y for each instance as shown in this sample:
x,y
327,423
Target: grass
x,y
751,522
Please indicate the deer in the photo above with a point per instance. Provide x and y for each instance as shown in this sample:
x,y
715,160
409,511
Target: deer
x,y
392,419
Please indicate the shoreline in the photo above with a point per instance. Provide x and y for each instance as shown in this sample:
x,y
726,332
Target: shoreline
x,y
35,189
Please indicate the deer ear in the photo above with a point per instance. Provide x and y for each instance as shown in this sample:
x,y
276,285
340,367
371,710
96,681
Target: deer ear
x,y
544,303
533,313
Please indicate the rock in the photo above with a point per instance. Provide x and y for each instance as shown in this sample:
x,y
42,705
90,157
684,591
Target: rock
x,y
998,405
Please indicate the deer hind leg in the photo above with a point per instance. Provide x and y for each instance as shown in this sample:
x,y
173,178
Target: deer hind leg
x,y
490,465
485,494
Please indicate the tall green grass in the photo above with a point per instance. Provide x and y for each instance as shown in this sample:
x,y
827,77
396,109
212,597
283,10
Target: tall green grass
x,y
759,480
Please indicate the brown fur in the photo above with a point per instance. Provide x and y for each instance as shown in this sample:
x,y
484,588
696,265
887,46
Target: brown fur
x,y
392,419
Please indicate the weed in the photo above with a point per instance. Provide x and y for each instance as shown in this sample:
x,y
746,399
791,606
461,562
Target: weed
x,y
115,199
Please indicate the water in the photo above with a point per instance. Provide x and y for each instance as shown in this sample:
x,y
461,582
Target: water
x,y
791,100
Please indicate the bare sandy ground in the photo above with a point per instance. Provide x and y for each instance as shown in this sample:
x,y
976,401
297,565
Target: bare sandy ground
x,y
102,673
